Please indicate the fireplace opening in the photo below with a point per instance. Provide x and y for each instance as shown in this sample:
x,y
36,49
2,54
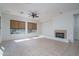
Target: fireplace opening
x,y
59,35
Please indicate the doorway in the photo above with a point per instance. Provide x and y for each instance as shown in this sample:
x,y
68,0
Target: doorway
x,y
76,27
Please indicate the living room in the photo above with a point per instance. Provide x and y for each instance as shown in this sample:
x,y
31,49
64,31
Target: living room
x,y
45,29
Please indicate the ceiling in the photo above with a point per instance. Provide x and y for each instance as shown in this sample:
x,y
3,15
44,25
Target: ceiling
x,y
44,9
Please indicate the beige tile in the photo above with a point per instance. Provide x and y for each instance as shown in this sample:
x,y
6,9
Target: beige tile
x,y
40,47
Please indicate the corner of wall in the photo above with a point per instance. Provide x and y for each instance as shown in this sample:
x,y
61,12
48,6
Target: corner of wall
x,y
71,41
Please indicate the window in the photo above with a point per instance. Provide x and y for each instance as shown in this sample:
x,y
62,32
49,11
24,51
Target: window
x,y
17,27
32,27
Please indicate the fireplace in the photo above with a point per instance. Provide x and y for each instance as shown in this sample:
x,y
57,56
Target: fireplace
x,y
60,34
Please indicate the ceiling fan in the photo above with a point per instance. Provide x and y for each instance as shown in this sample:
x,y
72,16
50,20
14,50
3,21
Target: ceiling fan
x,y
34,14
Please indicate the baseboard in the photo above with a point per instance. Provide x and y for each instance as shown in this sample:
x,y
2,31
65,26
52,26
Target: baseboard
x,y
62,40
71,41
7,39
49,37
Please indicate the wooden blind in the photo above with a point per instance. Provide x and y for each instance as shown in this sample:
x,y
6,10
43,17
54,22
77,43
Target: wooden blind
x,y
17,24
32,26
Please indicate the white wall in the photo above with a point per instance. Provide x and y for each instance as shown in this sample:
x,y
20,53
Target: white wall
x,y
64,21
46,28
6,27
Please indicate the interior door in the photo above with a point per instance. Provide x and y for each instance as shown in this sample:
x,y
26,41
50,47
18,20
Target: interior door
x,y
77,26
0,29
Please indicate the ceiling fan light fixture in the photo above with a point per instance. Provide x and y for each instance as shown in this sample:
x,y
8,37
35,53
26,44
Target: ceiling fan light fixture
x,y
34,14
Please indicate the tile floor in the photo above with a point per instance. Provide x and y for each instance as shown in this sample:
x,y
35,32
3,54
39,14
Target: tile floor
x,y
38,47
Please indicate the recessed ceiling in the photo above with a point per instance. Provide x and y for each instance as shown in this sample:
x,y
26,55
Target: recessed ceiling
x,y
45,9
